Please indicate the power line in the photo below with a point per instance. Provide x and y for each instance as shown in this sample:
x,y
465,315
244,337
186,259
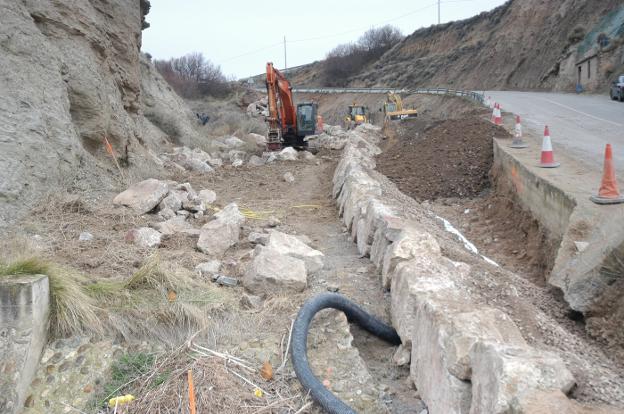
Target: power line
x,y
345,32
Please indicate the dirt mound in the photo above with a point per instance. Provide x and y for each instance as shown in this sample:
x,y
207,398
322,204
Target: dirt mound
x,y
449,159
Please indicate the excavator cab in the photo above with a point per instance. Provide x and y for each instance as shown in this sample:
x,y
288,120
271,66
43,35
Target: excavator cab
x,y
306,119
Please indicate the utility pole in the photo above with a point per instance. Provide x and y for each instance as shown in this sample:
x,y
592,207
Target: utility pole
x,y
285,61
438,11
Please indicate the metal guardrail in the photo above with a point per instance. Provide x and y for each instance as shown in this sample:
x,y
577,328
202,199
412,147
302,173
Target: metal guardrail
x,y
475,96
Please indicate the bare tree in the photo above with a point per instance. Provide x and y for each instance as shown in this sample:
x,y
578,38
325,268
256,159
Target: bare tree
x,y
347,59
193,75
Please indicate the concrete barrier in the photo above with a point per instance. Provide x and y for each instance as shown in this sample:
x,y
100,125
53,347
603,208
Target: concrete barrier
x,y
450,337
587,239
24,319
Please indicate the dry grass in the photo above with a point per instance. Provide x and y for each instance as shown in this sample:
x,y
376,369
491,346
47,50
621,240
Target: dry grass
x,y
73,311
159,302
219,387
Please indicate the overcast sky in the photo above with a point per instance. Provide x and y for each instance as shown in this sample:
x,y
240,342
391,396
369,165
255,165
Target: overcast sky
x,y
241,36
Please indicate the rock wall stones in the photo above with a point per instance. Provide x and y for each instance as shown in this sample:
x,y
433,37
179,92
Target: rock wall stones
x,y
465,358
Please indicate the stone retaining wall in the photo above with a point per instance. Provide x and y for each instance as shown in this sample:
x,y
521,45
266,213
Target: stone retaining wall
x,y
465,358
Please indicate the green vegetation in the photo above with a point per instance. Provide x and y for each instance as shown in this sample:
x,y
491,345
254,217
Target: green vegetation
x,y
124,374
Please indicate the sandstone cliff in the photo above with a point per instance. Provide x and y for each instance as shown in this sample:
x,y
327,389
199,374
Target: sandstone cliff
x,y
72,74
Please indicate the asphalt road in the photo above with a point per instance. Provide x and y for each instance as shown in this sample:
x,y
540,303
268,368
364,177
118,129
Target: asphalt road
x,y
580,125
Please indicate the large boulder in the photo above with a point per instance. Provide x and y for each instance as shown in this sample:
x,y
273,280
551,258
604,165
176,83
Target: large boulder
x,y
288,154
291,246
504,374
223,232
177,224
411,243
173,201
207,197
142,197
144,237
234,142
273,272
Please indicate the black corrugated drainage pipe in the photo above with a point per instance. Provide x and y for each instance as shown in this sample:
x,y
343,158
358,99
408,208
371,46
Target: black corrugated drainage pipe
x,y
355,314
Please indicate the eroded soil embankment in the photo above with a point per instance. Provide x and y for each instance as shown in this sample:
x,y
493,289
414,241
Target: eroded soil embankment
x,y
447,165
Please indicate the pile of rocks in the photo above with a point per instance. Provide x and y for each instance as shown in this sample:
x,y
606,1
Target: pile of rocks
x,y
230,150
258,108
333,137
167,200
280,262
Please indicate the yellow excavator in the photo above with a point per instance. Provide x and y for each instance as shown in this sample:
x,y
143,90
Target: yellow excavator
x,y
393,109
356,115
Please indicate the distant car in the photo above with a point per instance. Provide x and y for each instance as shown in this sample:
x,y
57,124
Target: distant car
x,y
617,89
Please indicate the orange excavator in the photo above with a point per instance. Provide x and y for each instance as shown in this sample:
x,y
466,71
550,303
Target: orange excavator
x,y
288,124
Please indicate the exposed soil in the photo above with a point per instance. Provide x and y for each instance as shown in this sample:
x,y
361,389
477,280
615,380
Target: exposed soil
x,y
504,232
449,159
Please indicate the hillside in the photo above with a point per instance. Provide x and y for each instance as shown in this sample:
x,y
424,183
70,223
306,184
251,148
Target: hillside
x,y
71,76
528,44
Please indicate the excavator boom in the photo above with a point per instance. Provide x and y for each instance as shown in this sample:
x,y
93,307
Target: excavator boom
x,y
282,117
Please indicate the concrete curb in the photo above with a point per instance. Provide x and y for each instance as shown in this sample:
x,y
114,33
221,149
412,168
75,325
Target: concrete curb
x,y
465,358
24,319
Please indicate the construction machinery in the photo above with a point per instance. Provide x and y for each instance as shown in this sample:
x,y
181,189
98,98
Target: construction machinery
x,y
356,115
393,109
288,123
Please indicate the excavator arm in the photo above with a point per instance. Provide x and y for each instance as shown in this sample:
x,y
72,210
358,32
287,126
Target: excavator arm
x,y
282,117
393,97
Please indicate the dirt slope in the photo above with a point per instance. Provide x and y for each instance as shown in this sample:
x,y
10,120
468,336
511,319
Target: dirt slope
x,y
523,44
72,74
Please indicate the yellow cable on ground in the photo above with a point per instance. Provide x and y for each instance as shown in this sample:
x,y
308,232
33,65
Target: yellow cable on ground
x,y
308,206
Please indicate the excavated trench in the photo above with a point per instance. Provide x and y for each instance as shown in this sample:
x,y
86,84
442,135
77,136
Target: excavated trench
x,y
447,165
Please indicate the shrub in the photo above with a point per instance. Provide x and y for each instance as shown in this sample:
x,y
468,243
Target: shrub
x,y
193,76
346,60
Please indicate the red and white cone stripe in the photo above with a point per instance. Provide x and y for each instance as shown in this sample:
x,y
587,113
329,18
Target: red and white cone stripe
x,y
518,127
548,158
498,119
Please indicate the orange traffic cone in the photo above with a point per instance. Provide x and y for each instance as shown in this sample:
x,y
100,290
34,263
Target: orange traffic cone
x,y
608,192
548,158
517,141
319,124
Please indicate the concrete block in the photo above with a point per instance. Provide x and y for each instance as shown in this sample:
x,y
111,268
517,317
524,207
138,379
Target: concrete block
x,y
24,320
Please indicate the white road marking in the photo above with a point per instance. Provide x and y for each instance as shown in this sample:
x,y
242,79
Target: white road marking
x,y
582,113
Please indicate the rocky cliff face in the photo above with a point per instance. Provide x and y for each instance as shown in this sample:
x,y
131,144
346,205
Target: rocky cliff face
x,y
71,75
523,44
